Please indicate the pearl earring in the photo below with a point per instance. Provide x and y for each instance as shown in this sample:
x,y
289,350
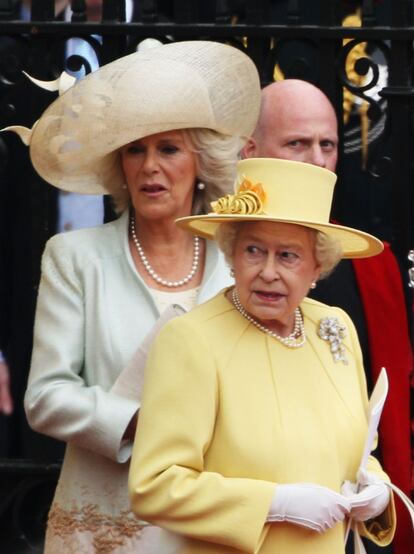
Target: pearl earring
x,y
313,285
231,272
201,186
123,186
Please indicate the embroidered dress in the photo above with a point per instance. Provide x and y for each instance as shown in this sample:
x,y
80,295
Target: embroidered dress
x,y
93,312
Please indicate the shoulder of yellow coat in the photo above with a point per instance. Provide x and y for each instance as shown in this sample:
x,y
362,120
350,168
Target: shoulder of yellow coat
x,y
216,324
315,310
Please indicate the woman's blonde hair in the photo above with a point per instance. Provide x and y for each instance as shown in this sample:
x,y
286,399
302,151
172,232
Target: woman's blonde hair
x,y
216,168
327,250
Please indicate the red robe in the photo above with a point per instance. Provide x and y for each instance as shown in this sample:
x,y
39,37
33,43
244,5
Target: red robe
x,y
381,291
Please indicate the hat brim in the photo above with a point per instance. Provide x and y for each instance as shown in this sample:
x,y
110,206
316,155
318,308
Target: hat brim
x,y
355,243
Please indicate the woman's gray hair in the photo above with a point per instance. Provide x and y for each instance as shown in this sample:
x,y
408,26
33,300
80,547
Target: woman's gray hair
x,y
327,250
217,156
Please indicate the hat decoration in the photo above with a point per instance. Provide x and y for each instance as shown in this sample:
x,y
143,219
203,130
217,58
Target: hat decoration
x,y
61,85
248,199
283,191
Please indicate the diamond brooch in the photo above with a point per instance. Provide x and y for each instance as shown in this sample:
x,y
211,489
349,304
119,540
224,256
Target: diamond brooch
x,y
331,330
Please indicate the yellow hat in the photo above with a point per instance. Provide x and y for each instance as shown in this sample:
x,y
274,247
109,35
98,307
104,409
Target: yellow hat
x,y
269,189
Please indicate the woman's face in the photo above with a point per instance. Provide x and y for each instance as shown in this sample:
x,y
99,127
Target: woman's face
x,y
160,171
274,266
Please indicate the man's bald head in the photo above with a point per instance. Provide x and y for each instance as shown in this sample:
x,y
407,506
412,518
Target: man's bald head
x,y
297,122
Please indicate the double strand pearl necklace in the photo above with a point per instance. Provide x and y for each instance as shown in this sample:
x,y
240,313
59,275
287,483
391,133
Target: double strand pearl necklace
x,y
150,270
295,340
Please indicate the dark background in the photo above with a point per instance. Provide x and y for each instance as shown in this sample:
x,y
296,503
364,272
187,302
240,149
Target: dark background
x,y
305,40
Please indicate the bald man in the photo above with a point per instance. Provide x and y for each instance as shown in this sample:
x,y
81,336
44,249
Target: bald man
x,y
298,122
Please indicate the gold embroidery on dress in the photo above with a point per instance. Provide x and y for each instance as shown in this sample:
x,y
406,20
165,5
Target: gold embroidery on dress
x,y
108,532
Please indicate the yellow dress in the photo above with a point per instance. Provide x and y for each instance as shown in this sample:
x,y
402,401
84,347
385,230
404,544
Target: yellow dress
x,y
228,412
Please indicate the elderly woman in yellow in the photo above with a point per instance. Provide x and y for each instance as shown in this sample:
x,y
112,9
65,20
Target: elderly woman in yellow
x,y
254,405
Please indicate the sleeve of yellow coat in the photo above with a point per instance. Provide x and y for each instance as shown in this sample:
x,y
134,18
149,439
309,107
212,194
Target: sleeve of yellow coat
x,y
381,529
168,483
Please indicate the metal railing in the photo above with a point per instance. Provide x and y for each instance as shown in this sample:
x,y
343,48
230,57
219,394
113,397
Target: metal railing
x,y
301,39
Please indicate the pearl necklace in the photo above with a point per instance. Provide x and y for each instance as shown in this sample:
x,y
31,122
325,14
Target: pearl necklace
x,y
150,270
296,339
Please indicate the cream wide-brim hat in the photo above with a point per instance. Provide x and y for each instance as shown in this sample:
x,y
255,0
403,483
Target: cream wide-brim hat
x,y
193,84
286,192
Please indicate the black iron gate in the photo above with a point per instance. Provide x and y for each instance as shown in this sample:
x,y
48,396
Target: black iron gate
x,y
365,68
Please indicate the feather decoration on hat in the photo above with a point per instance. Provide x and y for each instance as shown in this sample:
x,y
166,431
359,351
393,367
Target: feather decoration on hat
x,y
61,84
248,200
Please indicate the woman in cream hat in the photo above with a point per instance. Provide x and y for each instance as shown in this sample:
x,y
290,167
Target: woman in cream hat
x,y
253,416
159,130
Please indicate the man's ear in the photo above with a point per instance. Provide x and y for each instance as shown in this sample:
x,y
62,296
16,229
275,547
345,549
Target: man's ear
x,y
250,149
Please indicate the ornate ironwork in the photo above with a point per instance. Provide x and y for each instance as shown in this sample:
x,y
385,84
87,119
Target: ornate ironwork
x,y
303,39
411,269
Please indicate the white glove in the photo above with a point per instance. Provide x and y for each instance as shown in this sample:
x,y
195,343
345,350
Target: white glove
x,y
371,500
312,506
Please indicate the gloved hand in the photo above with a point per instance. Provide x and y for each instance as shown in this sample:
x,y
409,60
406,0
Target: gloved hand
x,y
371,500
312,506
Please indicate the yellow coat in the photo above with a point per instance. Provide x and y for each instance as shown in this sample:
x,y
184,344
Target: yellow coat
x,y
228,412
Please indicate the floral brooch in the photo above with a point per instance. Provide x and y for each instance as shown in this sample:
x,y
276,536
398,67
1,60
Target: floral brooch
x,y
331,330
248,200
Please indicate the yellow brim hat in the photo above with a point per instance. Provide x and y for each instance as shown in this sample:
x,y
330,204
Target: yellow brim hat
x,y
283,191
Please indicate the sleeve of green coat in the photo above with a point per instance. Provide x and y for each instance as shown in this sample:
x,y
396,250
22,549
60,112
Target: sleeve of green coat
x,y
168,483
59,402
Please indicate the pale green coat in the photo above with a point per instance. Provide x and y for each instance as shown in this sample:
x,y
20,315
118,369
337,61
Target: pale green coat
x,y
93,311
